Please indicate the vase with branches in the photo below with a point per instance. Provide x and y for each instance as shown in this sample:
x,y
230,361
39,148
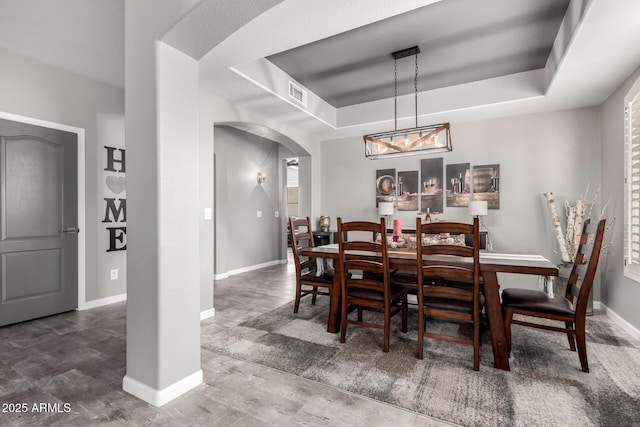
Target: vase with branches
x,y
569,238
575,215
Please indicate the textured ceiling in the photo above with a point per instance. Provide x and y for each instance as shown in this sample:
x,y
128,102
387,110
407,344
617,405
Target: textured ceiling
x,y
203,29
456,47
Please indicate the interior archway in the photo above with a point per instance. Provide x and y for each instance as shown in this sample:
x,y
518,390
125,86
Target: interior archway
x,y
250,220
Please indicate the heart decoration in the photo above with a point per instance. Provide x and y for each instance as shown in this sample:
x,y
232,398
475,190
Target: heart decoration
x,y
117,184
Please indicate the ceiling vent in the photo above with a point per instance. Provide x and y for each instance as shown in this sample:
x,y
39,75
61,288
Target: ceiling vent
x,y
298,93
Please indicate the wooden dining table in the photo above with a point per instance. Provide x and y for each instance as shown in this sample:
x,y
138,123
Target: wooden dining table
x,y
491,263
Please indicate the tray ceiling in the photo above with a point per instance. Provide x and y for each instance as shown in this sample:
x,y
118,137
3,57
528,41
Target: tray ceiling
x,y
456,47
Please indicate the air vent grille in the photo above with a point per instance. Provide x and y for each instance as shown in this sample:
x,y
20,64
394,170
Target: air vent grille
x,y
298,93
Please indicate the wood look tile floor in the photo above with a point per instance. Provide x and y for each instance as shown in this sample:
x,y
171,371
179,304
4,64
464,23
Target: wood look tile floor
x,y
78,358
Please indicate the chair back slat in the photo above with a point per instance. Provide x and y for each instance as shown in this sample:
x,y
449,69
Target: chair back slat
x,y
586,251
444,249
368,264
364,246
581,270
301,238
573,290
365,283
447,227
448,293
308,263
448,272
584,268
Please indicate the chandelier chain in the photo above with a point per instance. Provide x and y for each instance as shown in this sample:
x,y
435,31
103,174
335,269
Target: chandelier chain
x,y
415,86
395,92
407,141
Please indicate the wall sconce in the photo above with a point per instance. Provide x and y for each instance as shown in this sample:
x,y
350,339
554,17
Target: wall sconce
x,y
262,177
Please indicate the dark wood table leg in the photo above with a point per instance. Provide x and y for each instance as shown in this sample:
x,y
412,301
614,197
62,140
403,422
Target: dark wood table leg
x,y
496,321
333,324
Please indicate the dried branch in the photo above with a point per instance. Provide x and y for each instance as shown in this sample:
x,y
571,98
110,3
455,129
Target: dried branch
x,y
558,228
571,230
604,208
579,220
593,202
608,239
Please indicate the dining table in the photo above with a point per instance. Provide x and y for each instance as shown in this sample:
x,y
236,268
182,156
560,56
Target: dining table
x,y
491,263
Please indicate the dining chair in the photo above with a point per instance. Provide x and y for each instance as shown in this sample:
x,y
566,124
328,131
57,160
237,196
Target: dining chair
x,y
437,269
572,309
364,268
409,279
308,280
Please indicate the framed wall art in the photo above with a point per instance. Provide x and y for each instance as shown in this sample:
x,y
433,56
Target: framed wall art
x,y
407,190
432,189
458,184
486,184
385,185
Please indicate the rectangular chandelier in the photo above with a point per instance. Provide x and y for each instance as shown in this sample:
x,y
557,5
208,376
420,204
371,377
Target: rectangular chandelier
x,y
407,142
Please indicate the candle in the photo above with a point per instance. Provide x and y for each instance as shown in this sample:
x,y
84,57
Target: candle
x,y
397,227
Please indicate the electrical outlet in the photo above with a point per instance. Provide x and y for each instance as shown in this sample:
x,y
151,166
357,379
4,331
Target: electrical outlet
x,y
277,214
207,214
114,274
259,214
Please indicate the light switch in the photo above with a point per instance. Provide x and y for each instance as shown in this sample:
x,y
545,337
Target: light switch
x,y
277,214
207,214
259,214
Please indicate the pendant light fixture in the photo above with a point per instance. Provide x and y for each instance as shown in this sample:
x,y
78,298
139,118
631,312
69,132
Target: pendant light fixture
x,y
412,141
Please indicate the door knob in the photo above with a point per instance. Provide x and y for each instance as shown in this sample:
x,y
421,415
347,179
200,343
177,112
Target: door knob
x,y
71,230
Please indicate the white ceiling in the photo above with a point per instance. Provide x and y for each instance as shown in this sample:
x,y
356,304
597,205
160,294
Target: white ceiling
x,y
492,56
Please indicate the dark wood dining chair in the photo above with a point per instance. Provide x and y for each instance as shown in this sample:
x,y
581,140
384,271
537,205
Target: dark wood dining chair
x,y
308,280
437,269
572,309
370,287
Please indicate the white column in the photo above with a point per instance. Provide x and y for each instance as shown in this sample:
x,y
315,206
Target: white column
x,y
163,284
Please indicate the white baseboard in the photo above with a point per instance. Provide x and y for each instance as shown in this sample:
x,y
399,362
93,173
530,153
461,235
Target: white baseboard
x,y
249,268
167,394
207,314
103,301
632,330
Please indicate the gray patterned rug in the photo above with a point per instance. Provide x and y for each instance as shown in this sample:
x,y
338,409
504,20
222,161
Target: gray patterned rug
x,y
544,387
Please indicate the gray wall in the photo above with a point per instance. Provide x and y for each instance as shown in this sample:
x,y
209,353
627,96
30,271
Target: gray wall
x,y
556,152
243,239
619,293
33,89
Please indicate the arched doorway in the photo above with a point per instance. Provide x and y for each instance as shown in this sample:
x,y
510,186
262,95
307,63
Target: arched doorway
x,y
250,217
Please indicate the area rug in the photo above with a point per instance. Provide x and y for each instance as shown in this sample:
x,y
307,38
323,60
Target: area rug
x,y
544,387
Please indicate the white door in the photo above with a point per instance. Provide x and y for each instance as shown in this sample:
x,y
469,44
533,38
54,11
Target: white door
x,y
38,222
